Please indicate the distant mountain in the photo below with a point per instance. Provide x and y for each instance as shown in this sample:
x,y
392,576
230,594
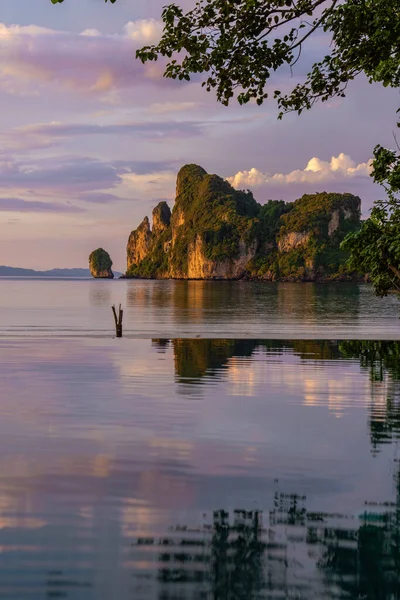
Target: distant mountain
x,y
18,272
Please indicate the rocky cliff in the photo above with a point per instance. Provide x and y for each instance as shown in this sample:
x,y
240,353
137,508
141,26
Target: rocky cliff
x,y
100,264
217,232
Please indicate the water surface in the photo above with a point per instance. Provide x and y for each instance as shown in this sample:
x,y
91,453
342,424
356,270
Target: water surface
x,y
186,469
31,307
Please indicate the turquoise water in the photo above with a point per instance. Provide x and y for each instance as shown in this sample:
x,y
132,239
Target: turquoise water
x,y
216,463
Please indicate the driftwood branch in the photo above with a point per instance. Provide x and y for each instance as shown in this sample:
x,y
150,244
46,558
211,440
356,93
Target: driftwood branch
x,y
118,320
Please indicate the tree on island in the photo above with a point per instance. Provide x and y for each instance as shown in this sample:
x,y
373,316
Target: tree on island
x,y
100,264
238,44
375,248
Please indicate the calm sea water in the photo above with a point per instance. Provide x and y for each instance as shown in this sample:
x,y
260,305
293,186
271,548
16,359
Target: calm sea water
x,y
176,468
196,308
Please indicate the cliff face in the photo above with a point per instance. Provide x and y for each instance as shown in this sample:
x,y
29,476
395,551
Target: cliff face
x,y
217,232
202,267
139,243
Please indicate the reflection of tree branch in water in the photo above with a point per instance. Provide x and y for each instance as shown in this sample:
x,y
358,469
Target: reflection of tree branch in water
x,y
382,360
379,357
373,571
289,552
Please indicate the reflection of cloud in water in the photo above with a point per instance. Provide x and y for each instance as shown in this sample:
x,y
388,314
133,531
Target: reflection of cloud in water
x,y
137,518
336,393
180,448
241,377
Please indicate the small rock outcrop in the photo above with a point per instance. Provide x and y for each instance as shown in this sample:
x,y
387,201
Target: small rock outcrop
x,y
217,232
100,264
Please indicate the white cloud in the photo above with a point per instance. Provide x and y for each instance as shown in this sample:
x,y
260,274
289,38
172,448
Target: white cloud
x,y
91,62
13,31
339,168
144,31
91,32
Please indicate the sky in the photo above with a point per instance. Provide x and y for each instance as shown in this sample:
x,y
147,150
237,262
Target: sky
x,y
92,140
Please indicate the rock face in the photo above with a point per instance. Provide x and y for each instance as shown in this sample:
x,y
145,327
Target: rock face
x,y
294,239
139,243
217,232
100,264
161,218
201,267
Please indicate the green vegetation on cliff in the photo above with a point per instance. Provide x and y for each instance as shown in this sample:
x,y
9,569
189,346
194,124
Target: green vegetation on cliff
x,y
100,264
217,232
324,220
314,212
155,265
209,208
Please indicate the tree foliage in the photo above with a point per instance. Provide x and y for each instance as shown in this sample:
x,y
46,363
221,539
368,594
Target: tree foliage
x,y
238,44
375,248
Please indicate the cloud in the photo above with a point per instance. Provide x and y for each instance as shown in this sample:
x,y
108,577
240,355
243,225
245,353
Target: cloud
x,y
85,179
148,167
153,130
99,197
168,107
144,31
90,62
161,184
70,175
40,136
34,206
339,168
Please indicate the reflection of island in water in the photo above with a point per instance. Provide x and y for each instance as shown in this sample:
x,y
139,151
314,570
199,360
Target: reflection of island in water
x,y
214,303
200,359
288,553
195,358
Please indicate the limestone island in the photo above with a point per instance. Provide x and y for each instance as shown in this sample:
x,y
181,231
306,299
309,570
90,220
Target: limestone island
x,y
100,264
217,232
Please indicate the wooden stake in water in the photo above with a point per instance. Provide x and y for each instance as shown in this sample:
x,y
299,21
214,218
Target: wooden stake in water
x,y
118,320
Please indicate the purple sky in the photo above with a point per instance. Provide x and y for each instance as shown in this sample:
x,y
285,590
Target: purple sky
x,y
91,140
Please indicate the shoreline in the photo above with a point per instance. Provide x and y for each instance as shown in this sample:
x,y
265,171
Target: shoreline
x,y
321,280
